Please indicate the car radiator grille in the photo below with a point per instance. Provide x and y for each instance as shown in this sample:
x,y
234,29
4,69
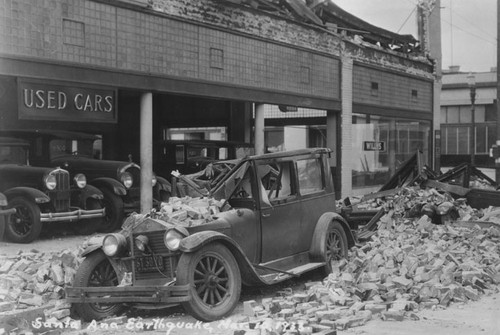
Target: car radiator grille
x,y
60,197
165,259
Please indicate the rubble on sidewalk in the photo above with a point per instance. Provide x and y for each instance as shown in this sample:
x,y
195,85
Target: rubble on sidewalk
x,y
411,262
33,282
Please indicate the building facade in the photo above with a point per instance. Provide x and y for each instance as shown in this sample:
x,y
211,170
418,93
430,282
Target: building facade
x,y
465,126
127,69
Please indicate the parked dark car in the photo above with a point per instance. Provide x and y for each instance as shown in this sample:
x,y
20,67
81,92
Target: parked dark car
x,y
42,195
119,181
191,156
4,214
278,220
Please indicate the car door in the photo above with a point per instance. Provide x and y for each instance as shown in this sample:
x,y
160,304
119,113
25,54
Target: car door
x,y
281,213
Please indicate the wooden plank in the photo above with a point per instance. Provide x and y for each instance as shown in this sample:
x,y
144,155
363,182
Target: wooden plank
x,y
471,224
455,189
380,194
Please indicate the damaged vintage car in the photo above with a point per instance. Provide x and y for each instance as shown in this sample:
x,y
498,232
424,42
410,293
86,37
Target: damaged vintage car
x,y
270,218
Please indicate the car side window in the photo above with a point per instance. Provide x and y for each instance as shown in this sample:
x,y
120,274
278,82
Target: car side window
x,y
277,180
310,176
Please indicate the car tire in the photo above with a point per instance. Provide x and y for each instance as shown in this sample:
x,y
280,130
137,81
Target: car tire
x,y
24,226
335,245
114,215
96,270
89,226
214,279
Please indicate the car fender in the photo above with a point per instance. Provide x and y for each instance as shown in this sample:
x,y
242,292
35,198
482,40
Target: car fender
x,y
194,242
111,184
317,246
79,196
162,184
119,267
33,194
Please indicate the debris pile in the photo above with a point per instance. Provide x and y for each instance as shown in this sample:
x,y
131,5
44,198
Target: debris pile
x,y
409,263
32,279
189,211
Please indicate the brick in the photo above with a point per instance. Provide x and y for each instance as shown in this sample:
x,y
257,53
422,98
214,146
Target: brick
x,y
7,306
328,315
30,299
6,266
357,320
375,308
393,315
248,307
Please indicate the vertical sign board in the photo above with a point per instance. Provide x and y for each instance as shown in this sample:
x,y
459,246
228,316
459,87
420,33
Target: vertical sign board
x,y
59,101
374,146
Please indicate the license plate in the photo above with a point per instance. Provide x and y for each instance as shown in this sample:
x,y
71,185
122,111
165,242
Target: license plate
x,y
148,263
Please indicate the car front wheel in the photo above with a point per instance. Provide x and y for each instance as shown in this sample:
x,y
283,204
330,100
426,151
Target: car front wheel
x,y
114,215
335,245
214,278
96,271
24,226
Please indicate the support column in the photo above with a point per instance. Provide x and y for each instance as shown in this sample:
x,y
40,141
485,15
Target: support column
x,y
146,146
346,127
259,129
332,135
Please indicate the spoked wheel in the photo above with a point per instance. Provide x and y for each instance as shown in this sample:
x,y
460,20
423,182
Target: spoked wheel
x,y
335,245
214,277
96,271
24,226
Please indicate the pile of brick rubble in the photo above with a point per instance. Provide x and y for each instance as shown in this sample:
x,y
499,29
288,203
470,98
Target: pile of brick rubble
x,y
189,211
32,279
409,264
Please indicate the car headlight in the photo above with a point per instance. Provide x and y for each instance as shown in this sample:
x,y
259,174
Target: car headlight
x,y
127,179
50,182
80,180
173,237
154,180
114,244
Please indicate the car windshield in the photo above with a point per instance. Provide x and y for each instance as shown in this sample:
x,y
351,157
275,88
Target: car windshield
x,y
13,154
64,147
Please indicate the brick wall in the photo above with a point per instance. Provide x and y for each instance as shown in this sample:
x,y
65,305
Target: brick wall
x,y
394,91
246,48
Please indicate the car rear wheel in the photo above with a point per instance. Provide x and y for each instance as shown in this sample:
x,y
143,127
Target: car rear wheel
x,y
24,226
335,245
96,271
114,215
215,281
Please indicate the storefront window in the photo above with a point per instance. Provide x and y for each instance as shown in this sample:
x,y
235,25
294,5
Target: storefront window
x,y
381,144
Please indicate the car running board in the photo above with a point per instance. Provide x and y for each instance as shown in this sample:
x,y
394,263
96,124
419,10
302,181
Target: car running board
x,y
281,275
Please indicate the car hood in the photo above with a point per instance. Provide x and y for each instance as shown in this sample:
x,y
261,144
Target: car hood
x,y
14,175
93,168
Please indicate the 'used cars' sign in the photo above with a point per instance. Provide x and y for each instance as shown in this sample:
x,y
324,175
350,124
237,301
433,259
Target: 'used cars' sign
x,y
373,146
39,100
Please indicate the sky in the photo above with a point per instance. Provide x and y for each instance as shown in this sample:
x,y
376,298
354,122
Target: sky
x,y
468,27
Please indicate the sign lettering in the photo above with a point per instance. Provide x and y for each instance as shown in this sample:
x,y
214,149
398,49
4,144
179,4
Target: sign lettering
x,y
373,146
65,102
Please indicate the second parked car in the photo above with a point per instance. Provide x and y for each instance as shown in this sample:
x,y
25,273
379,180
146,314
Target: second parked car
x,y
42,195
119,181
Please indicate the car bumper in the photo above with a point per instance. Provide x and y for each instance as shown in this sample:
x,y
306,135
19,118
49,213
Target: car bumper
x,y
76,215
131,294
